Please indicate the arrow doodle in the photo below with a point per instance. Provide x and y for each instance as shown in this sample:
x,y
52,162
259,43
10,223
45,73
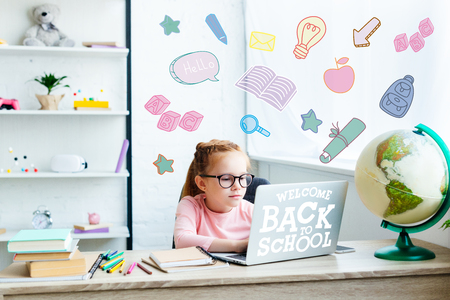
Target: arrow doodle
x,y
360,38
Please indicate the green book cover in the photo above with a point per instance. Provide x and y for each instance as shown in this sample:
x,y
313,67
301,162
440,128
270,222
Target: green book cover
x,y
27,235
40,240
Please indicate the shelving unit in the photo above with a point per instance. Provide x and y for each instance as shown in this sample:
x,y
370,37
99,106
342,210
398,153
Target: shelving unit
x,y
28,124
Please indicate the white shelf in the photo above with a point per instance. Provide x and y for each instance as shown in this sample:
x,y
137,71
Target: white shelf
x,y
63,51
84,174
114,232
63,112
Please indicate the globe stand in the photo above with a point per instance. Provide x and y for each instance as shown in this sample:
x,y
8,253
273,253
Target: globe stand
x,y
404,249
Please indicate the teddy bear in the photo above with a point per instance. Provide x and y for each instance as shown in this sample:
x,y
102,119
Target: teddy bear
x,y
45,32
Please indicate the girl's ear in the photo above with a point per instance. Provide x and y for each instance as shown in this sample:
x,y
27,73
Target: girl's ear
x,y
200,183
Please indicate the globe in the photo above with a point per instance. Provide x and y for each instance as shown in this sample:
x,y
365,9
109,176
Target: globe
x,y
402,177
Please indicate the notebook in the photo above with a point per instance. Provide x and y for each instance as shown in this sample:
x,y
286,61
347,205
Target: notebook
x,y
292,221
190,256
40,240
47,256
216,264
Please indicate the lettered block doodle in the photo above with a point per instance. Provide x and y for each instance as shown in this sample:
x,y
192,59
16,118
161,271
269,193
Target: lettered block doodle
x,y
169,121
157,104
417,42
401,42
426,28
191,121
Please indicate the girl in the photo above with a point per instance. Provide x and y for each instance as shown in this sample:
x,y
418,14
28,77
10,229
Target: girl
x,y
211,213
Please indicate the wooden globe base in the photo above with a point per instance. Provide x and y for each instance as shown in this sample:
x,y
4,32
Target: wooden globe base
x,y
405,250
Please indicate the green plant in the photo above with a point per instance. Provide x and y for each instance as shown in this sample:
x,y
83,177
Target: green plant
x,y
51,82
446,224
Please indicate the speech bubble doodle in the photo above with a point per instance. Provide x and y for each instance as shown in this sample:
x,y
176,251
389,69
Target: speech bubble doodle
x,y
195,67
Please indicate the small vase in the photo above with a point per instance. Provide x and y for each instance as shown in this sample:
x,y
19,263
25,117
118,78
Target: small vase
x,y
49,102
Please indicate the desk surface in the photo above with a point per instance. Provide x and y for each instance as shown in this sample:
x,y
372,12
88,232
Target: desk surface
x,y
331,268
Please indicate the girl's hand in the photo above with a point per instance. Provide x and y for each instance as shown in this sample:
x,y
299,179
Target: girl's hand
x,y
222,245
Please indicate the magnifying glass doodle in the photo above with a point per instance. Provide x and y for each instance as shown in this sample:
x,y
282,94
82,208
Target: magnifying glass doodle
x,y
250,124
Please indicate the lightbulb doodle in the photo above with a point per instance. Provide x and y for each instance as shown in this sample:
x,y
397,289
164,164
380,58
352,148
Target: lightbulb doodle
x,y
250,124
262,82
163,164
341,139
262,41
170,25
309,32
361,37
310,121
398,98
341,79
195,67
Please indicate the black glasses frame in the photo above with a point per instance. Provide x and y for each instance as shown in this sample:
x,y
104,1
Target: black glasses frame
x,y
235,177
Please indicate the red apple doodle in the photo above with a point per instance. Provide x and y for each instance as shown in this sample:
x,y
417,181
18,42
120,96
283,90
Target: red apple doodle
x,y
341,79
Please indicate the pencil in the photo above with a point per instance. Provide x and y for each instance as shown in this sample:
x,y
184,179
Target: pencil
x,y
144,269
110,254
95,265
115,255
130,269
216,28
115,267
113,263
123,266
108,262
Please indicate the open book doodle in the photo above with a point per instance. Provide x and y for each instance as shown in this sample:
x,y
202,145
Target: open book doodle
x,y
262,82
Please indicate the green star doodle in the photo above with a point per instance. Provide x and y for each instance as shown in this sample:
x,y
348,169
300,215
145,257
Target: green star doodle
x,y
170,25
310,121
163,164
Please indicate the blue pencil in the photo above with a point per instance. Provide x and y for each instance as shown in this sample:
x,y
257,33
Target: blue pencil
x,y
216,28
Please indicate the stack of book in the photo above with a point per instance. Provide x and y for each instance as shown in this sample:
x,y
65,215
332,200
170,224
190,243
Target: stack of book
x,y
92,228
185,259
48,252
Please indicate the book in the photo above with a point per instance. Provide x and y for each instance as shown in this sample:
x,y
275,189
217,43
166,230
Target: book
x,y
92,226
40,240
262,82
18,272
98,230
47,256
90,44
92,108
74,266
190,256
90,103
2,230
215,265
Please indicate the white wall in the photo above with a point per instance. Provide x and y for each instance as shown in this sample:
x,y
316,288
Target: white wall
x,y
155,196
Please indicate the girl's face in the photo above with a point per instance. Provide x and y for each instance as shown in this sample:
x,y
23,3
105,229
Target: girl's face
x,y
219,199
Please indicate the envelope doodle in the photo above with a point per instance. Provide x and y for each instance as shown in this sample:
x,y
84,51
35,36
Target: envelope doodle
x,y
262,41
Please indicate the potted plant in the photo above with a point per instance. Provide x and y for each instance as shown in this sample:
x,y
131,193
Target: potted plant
x,y
50,102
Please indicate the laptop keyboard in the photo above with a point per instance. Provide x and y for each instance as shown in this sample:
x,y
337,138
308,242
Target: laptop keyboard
x,y
239,256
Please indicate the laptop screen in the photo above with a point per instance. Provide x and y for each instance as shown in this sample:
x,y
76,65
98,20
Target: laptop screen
x,y
296,220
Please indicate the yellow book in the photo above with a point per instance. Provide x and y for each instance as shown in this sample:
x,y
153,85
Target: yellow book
x,y
91,103
75,266
92,226
2,230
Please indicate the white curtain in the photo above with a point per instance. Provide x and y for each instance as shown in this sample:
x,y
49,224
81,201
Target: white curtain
x,y
376,68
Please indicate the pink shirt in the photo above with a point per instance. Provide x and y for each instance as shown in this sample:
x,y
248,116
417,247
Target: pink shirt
x,y
196,225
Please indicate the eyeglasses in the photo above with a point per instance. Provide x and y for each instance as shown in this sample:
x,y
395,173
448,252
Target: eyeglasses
x,y
227,180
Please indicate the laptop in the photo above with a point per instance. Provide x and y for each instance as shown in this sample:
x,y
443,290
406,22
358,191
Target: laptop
x,y
292,221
